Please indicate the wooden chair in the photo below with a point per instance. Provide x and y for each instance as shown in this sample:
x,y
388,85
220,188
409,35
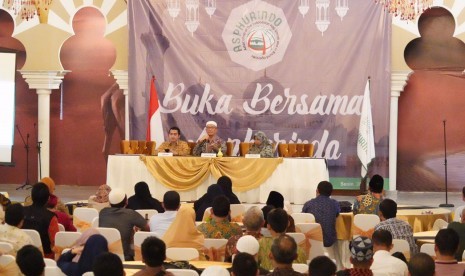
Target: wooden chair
x,y
150,148
244,148
230,148
191,146
295,150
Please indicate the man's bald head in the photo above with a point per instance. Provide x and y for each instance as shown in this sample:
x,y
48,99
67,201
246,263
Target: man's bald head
x,y
284,249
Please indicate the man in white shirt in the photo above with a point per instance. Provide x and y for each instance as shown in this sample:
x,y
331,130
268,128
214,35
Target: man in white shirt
x,y
159,223
383,263
11,232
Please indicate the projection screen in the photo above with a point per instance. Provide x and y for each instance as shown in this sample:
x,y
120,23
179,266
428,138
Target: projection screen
x,y
7,106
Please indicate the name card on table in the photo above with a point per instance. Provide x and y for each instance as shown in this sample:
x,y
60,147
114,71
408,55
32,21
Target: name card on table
x,y
165,154
210,155
252,155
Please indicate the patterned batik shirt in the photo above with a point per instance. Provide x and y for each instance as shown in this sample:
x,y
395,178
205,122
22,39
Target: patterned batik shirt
x,y
219,229
264,250
367,204
179,148
206,146
325,210
399,230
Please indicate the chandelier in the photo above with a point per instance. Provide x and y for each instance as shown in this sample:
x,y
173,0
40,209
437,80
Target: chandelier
x,y
406,9
27,9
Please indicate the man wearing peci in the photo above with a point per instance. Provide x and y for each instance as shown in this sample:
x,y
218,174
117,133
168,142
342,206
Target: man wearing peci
x,y
175,144
210,143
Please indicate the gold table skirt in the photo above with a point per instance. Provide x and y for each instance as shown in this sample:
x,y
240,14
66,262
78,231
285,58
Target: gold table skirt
x,y
186,173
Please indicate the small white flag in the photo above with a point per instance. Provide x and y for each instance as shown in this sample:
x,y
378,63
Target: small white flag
x,y
366,140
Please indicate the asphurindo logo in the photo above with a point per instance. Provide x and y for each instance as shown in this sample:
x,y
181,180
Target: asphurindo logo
x,y
256,35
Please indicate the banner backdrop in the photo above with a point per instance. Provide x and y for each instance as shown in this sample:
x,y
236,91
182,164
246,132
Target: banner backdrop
x,y
295,71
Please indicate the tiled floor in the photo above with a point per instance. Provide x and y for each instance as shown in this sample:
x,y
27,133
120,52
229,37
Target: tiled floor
x,y
73,193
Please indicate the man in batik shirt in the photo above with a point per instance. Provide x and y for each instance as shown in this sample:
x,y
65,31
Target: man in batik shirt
x,y
219,227
210,143
369,203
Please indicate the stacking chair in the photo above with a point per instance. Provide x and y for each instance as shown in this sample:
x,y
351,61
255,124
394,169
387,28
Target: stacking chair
x,y
8,265
35,237
6,248
206,214
439,224
302,268
139,238
314,235
182,254
61,227
114,240
458,213
182,272
364,225
90,273
53,270
237,212
303,217
216,249
49,262
428,248
302,242
95,222
82,218
147,213
401,246
64,240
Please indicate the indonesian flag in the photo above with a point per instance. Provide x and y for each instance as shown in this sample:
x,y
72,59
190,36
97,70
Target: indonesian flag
x,y
154,126
366,140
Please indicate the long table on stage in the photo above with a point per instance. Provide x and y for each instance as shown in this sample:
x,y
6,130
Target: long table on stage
x,y
295,178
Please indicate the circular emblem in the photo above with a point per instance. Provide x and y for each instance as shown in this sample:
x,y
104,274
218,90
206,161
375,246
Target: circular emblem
x,y
261,40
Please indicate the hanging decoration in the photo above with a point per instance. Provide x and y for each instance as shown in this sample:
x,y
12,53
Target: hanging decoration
x,y
27,9
210,7
405,9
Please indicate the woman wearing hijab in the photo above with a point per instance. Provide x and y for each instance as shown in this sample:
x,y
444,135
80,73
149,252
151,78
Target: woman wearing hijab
x,y
100,199
95,245
62,217
276,200
81,241
143,199
206,200
261,145
226,185
183,232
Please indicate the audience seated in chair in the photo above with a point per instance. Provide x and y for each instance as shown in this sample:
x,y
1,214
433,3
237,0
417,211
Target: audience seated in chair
x,y
398,228
383,262
276,200
369,203
160,222
94,246
253,221
81,241
51,187
219,227
39,218
244,264
123,219
321,266
459,227
153,256
108,263
11,232
361,257
249,244
278,220
30,261
421,264
226,185
183,232
283,253
62,217
205,201
446,243
100,199
142,199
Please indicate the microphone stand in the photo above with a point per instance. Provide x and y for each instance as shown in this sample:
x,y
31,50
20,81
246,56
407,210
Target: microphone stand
x,y
38,152
445,167
26,183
